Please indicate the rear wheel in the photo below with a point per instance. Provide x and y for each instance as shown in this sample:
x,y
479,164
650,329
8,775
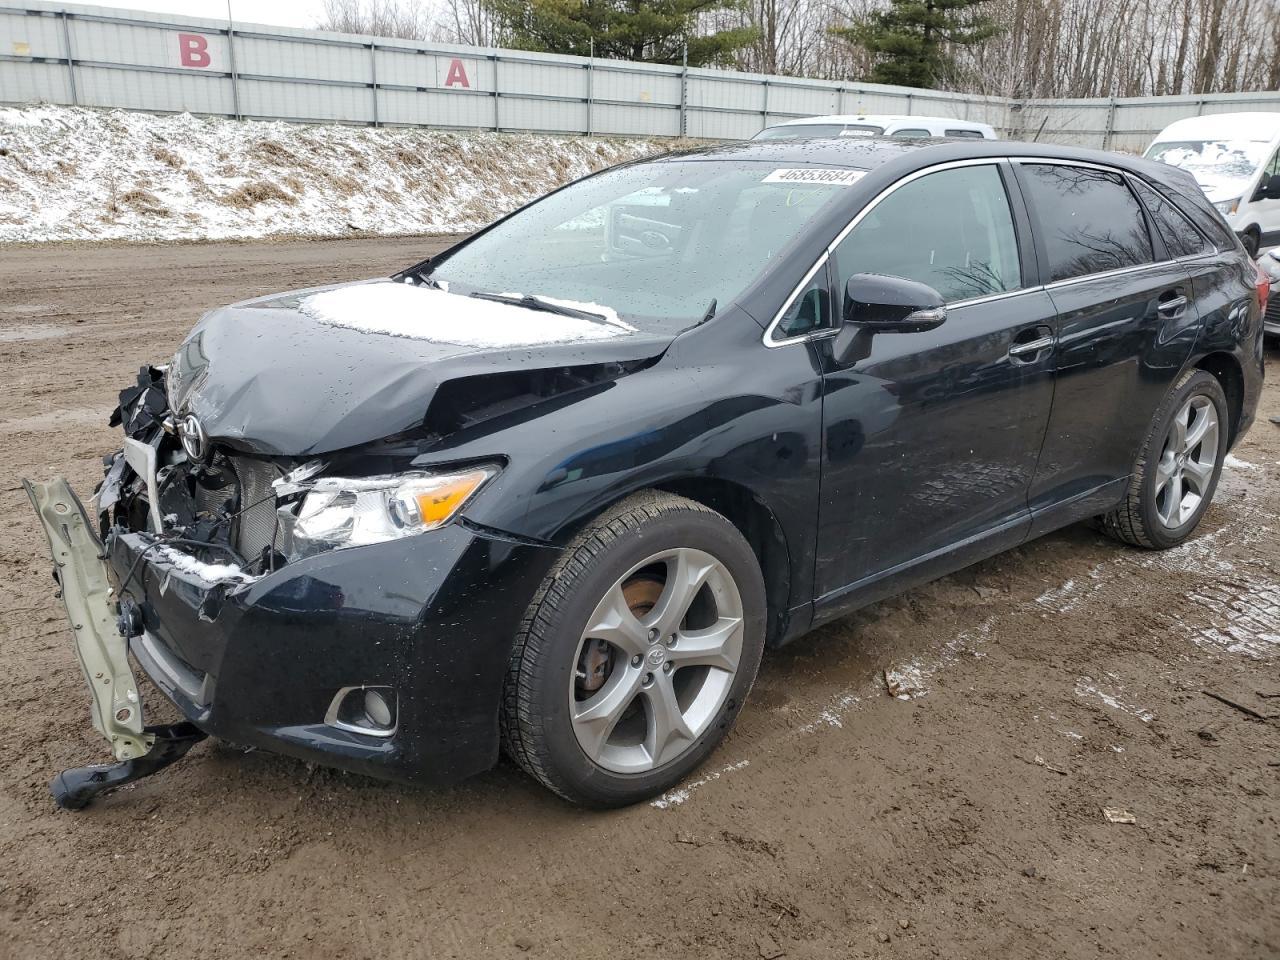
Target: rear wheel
x,y
636,654
1178,467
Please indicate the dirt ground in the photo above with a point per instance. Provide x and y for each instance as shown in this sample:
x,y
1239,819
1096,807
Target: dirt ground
x,y
1057,679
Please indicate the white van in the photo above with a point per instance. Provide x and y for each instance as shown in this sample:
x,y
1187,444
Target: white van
x,y
880,125
1235,157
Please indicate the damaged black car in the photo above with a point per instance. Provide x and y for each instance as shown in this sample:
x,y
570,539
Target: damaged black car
x,y
557,489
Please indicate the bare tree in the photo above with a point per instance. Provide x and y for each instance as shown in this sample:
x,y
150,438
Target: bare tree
x,y
379,18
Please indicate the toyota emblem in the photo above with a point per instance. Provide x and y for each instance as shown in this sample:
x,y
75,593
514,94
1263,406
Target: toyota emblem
x,y
194,440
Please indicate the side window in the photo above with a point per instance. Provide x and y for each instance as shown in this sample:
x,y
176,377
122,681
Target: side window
x,y
911,133
965,134
952,230
1090,219
1274,166
1182,239
808,312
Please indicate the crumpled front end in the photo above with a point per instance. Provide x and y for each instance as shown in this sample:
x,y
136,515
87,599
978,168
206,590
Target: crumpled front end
x,y
383,656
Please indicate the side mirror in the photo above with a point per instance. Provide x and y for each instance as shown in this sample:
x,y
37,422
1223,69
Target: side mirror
x,y
1270,187
880,304
892,304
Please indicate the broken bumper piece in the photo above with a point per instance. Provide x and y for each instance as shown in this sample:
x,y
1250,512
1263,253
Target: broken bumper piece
x,y
261,660
99,634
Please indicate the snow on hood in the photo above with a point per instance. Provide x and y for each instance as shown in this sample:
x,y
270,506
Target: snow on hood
x,y
1224,169
425,313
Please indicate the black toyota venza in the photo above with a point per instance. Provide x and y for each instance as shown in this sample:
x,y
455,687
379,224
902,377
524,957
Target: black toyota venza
x,y
557,489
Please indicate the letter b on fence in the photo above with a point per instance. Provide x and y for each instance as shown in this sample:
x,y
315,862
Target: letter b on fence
x,y
193,50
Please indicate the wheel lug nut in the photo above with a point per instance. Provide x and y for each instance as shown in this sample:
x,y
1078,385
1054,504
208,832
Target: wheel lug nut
x,y
648,679
671,642
635,661
666,667
653,635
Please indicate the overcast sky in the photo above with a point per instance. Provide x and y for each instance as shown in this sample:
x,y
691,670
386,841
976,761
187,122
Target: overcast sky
x,y
284,13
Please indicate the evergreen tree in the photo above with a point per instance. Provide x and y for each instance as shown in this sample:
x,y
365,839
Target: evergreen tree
x,y
621,29
910,39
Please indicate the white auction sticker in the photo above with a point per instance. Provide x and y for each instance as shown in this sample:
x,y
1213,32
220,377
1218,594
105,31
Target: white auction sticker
x,y
839,178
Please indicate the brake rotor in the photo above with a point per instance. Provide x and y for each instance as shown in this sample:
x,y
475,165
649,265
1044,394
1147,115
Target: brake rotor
x,y
596,663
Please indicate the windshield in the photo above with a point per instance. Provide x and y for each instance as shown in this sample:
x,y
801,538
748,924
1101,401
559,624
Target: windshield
x,y
1221,167
655,241
806,131
798,131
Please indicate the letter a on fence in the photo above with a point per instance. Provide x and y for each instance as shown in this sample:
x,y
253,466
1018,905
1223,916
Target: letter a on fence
x,y
457,75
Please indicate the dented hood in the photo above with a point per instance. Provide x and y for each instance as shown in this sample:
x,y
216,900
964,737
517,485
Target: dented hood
x,y
277,376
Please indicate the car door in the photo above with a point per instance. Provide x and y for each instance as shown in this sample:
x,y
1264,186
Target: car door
x,y
1126,324
930,441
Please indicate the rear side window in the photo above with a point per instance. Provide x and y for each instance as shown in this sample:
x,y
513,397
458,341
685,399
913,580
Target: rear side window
x,y
1182,239
951,229
1090,220
965,134
911,133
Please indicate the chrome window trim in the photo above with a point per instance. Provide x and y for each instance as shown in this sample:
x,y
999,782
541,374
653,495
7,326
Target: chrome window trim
x,y
974,301
849,227
1117,272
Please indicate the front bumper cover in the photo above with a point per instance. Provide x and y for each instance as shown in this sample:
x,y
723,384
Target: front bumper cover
x,y
258,662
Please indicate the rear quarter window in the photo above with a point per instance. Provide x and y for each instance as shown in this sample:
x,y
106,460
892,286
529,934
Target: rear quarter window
x,y
1090,221
1180,237
965,134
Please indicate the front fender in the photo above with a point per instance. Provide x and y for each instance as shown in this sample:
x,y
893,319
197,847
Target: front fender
x,y
692,415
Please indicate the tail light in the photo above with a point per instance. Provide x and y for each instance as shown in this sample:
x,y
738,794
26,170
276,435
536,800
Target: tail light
x,y
1264,287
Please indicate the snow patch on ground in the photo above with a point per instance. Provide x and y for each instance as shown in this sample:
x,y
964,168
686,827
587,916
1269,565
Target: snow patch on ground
x,y
424,313
1244,617
1235,463
70,173
1088,687
673,798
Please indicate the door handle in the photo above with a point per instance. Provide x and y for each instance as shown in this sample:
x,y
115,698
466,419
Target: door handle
x,y
1026,350
1173,307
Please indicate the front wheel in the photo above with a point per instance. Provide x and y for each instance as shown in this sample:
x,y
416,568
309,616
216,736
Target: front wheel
x,y
636,654
1178,467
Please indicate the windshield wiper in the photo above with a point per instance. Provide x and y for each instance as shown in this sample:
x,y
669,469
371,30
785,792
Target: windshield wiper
x,y
530,302
422,273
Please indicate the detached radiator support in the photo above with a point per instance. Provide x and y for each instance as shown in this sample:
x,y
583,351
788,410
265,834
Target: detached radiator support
x,y
99,631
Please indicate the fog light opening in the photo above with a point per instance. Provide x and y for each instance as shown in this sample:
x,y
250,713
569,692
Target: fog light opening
x,y
372,711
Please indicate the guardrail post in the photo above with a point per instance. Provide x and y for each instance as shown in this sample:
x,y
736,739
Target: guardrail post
x,y
909,105
373,77
235,77
764,112
1111,123
497,91
71,67
591,60
684,91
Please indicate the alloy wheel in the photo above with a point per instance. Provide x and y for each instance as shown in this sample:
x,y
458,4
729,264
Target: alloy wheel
x,y
656,661
1187,463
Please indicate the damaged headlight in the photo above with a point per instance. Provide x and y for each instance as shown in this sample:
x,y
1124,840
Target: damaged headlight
x,y
339,512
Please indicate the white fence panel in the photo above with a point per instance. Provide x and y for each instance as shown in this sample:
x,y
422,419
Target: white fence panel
x,y
74,54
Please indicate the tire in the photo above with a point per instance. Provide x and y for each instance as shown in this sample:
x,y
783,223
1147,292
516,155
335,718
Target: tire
x,y
1252,241
1147,517
578,655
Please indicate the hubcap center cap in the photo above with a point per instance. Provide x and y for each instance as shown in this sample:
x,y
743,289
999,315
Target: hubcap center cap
x,y
656,656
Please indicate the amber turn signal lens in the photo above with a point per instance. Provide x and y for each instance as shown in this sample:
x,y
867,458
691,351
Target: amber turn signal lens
x,y
442,500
